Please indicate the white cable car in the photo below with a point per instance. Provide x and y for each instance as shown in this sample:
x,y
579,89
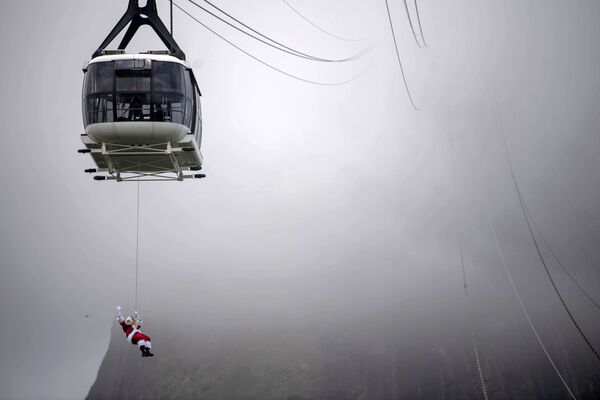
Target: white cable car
x,y
141,112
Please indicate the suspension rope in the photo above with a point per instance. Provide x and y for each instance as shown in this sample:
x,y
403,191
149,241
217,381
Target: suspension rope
x,y
533,238
412,102
419,22
470,324
522,306
264,62
562,266
171,1
317,26
410,22
266,40
137,242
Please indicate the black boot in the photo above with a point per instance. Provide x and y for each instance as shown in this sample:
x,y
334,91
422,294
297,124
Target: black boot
x,y
143,350
148,354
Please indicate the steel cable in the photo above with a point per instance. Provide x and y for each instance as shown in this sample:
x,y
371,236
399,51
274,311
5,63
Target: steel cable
x,y
412,102
410,22
264,62
419,22
273,43
522,306
317,26
562,266
533,238
137,241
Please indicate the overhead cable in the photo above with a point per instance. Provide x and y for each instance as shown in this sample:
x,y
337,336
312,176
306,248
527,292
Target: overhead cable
x,y
533,238
264,62
412,28
560,264
317,26
419,22
412,102
266,40
522,306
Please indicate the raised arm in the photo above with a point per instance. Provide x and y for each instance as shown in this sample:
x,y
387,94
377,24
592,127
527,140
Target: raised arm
x,y
120,317
138,320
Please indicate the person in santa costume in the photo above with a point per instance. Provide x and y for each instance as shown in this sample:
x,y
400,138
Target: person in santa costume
x,y
131,326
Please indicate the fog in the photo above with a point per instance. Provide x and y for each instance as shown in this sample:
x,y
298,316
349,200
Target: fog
x,y
330,209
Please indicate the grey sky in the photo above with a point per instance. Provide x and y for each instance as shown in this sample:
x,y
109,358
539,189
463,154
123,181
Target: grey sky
x,y
320,202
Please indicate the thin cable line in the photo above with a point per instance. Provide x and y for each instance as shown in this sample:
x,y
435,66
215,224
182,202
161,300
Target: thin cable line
x,y
267,64
469,312
523,309
274,44
512,282
462,266
318,27
137,243
553,254
171,1
419,22
412,102
535,242
412,28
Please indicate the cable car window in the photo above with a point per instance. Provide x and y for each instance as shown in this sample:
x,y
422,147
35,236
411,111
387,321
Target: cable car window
x,y
133,107
99,78
130,65
168,77
98,109
168,108
133,81
198,116
189,87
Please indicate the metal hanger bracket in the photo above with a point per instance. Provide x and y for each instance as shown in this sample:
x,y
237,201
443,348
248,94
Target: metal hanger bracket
x,y
137,16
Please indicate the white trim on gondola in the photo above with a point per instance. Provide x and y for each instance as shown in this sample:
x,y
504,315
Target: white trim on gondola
x,y
140,56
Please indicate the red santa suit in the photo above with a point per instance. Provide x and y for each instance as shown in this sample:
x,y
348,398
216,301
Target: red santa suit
x,y
131,327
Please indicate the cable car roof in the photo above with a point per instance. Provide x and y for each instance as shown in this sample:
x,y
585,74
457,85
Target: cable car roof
x,y
139,56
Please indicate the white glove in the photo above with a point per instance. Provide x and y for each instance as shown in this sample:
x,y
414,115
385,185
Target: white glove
x,y
119,308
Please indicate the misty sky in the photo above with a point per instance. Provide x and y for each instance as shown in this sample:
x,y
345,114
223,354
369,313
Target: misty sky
x,y
322,202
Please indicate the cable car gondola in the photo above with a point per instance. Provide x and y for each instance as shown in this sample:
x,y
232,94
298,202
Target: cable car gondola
x,y
141,112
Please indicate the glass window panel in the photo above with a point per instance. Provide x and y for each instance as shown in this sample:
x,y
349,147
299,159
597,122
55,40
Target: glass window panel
x,y
124,64
168,77
189,113
168,108
189,87
134,107
99,78
98,109
198,128
138,64
133,83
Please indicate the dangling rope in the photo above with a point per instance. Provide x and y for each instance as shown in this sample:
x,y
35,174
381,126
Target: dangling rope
x,y
137,242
